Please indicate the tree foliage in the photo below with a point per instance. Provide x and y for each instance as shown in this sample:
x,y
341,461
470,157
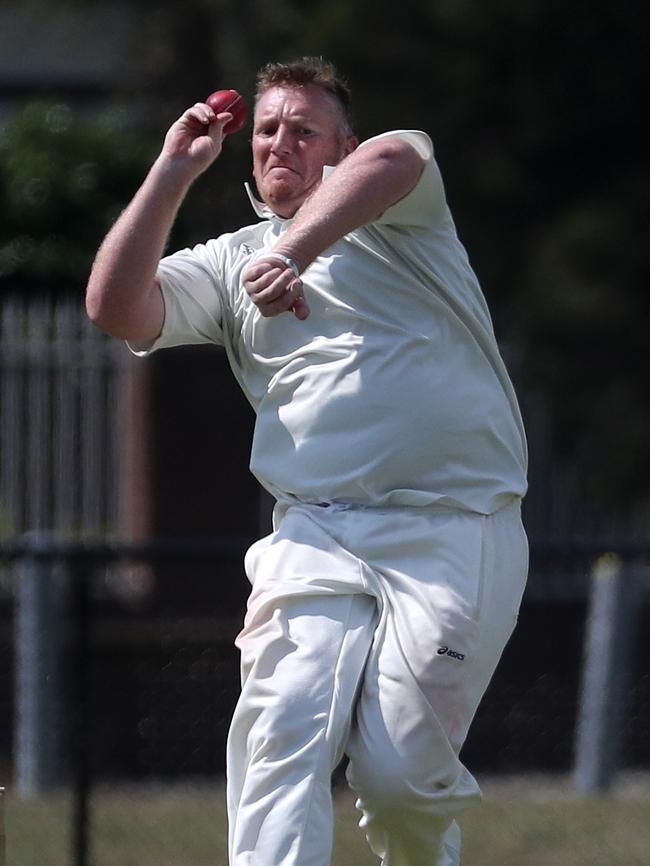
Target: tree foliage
x,y
63,180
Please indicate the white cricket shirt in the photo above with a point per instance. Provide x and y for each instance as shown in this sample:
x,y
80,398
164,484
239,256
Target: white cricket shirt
x,y
393,391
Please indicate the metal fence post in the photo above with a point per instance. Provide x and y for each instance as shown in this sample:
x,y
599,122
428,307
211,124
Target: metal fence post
x,y
81,574
608,642
3,841
37,663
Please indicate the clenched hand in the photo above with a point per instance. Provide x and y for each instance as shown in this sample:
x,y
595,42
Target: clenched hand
x,y
274,288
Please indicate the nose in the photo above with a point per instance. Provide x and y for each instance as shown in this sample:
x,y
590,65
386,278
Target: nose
x,y
281,140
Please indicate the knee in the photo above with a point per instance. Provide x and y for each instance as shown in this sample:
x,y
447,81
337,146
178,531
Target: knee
x,y
391,785
387,781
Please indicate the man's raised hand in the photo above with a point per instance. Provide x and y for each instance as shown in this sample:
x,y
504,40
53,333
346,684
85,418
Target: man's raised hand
x,y
195,140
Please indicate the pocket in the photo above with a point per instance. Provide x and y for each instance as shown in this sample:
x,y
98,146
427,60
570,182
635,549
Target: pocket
x,y
461,560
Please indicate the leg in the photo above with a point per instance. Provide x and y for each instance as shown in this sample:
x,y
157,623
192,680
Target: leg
x,y
403,767
418,700
304,646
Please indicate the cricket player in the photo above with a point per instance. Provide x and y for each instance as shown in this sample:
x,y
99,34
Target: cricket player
x,y
387,430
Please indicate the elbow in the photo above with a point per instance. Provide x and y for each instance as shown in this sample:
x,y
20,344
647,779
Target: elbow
x,y
396,150
93,305
102,313
118,313
397,159
96,308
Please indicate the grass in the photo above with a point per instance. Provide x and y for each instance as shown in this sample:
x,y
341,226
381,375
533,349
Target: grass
x,y
523,822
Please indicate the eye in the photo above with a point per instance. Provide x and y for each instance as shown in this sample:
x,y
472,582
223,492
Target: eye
x,y
265,131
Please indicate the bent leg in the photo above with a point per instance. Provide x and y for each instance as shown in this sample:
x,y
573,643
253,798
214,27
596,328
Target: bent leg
x,y
442,630
403,767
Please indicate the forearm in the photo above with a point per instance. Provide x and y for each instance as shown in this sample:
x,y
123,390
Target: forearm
x,y
359,190
122,296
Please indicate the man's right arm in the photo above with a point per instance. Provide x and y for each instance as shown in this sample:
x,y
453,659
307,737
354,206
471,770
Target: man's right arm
x,y
123,296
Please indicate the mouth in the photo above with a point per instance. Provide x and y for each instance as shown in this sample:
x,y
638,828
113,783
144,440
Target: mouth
x,y
280,168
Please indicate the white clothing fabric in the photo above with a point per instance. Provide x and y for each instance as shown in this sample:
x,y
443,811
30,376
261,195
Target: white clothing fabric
x,y
373,632
393,391
389,432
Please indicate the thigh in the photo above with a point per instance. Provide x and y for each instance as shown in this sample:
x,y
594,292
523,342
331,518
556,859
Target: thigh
x,y
301,670
304,644
450,592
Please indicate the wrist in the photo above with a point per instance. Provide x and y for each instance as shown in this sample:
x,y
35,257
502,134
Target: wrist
x,y
300,260
172,174
290,262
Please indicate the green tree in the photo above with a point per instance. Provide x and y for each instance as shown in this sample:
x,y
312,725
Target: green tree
x,y
63,180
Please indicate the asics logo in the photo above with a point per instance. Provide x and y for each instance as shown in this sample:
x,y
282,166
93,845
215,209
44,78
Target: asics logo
x,y
445,651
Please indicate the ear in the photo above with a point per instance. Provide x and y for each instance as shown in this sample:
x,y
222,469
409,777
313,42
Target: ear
x,y
351,143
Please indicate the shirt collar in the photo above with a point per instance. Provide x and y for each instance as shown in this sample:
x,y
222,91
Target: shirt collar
x,y
262,210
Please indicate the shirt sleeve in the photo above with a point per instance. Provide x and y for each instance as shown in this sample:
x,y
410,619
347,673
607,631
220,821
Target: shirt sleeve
x,y
426,201
190,286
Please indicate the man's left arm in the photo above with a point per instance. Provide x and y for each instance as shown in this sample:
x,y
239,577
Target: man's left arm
x,y
364,185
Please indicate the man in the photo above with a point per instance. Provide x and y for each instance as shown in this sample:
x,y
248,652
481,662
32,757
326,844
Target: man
x,y
388,431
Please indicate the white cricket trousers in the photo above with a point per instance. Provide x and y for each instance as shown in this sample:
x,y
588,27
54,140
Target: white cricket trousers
x,y
374,633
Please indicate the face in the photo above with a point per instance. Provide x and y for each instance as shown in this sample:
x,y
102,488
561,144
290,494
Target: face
x,y
296,131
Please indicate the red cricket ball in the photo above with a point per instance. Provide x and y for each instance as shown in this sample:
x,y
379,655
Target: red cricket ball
x,y
229,100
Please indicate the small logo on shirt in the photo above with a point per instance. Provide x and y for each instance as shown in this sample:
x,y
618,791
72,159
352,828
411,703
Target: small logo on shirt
x,y
247,249
445,651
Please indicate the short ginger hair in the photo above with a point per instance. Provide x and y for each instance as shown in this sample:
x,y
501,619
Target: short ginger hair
x,y
305,71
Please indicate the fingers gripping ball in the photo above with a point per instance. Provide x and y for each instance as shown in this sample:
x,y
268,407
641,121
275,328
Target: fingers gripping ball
x,y
229,100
